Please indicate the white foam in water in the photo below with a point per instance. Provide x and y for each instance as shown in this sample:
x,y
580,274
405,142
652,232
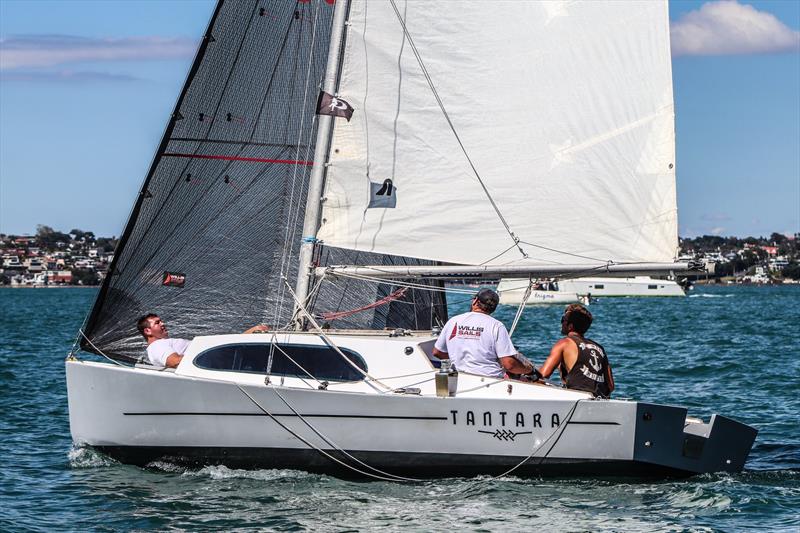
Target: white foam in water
x,y
165,466
711,295
82,457
223,472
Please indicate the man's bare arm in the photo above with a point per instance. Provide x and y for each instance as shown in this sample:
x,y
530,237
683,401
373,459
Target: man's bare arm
x,y
610,377
173,360
554,359
514,366
440,354
260,328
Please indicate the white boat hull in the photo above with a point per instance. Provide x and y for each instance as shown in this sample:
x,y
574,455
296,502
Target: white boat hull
x,y
638,286
139,416
512,292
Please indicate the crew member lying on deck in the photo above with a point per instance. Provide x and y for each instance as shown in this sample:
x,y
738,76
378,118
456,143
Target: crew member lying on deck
x,y
163,351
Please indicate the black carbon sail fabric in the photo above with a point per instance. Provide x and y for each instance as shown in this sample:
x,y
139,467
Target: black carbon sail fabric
x,y
221,208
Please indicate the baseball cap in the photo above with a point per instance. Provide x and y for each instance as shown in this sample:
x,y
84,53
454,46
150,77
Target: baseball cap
x,y
488,297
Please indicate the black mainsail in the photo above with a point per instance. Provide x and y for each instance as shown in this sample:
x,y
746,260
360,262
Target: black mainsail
x,y
212,239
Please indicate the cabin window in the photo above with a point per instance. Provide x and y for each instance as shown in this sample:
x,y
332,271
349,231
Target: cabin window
x,y
599,286
652,286
322,362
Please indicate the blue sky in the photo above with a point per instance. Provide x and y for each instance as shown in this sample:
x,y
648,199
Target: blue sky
x,y
86,88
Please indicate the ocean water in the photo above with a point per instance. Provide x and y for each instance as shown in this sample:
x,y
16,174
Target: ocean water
x,y
729,350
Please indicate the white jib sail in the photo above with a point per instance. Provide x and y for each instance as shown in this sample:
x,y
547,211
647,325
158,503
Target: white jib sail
x,y
564,108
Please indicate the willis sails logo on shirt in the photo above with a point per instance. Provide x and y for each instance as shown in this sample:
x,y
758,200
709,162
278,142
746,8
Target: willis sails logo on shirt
x,y
466,332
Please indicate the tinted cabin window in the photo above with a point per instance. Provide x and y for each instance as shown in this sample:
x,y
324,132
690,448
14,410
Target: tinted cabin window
x,y
321,362
599,286
652,286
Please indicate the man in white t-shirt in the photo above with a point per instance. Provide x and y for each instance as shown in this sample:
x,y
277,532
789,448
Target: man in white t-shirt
x,y
163,351
480,344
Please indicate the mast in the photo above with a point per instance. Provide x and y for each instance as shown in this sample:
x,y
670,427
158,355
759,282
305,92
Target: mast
x,y
305,272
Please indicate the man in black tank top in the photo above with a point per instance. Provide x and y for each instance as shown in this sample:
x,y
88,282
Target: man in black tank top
x,y
583,363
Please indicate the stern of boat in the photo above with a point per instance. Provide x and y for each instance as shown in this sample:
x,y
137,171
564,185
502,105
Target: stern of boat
x,y
666,436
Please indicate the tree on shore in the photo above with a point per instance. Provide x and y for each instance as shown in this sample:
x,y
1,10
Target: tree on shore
x,y
82,276
47,237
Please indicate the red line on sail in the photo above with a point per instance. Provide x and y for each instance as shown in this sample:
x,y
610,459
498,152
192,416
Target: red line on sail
x,y
248,159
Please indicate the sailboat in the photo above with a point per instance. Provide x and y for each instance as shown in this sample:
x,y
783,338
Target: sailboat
x,y
518,291
514,291
326,167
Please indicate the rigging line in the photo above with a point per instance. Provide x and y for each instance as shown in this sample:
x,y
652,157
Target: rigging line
x,y
498,255
307,443
407,375
293,210
281,350
563,252
559,431
408,385
439,101
383,301
336,446
302,308
80,331
521,307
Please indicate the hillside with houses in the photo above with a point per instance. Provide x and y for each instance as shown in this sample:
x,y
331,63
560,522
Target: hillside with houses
x,y
749,260
52,258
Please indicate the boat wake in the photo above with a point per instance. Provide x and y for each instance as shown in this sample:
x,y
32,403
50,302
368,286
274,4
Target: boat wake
x,y
221,472
84,457
711,295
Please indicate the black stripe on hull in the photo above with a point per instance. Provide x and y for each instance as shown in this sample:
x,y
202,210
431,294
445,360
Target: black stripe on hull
x,y
308,415
418,465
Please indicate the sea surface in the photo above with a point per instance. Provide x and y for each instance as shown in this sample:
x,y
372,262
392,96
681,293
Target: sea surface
x,y
730,350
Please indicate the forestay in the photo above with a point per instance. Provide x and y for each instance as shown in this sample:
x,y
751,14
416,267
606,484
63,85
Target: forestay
x,y
565,109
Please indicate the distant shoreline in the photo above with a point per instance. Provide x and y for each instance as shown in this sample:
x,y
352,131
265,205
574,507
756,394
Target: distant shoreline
x,y
49,287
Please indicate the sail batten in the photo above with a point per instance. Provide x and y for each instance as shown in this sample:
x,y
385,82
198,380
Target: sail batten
x,y
564,111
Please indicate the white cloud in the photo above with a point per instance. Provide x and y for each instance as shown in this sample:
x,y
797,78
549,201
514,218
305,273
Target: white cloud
x,y
67,76
727,27
718,230
36,51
